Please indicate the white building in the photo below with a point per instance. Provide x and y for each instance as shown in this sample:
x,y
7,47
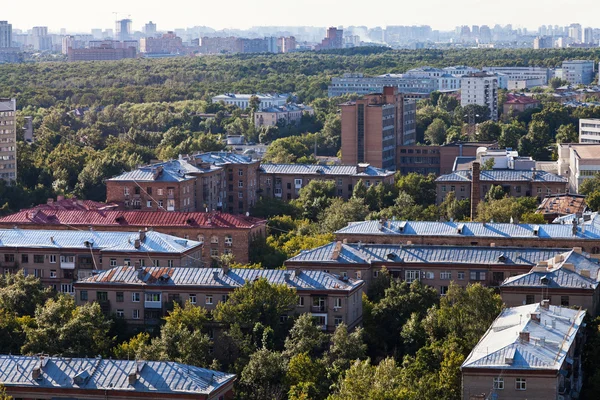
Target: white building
x,y
481,89
540,74
578,72
578,162
243,100
589,130
460,70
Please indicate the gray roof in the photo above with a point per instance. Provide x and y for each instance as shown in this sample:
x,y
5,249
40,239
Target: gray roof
x,y
105,241
222,158
471,229
563,271
503,175
354,253
172,171
298,169
8,105
214,277
549,339
100,374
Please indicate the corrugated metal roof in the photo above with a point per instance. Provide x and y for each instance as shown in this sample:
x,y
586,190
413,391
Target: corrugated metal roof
x,y
471,229
503,175
419,254
154,242
214,277
223,158
172,171
151,376
298,169
131,218
548,345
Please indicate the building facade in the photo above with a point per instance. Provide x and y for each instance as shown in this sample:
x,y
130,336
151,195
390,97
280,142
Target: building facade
x,y
5,35
578,162
168,43
589,130
105,51
516,104
578,72
288,114
140,295
481,89
243,100
8,140
334,39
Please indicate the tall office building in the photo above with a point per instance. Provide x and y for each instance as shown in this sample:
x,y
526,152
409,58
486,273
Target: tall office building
x,y
5,35
372,129
8,140
123,29
481,89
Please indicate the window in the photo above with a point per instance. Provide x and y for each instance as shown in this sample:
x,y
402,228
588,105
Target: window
x,y
160,204
113,262
149,190
375,274
411,275
135,297
446,275
192,298
38,259
102,296
337,320
126,191
120,314
127,262
228,240
240,184
24,258
156,263
214,252
521,384
170,263
283,318
443,188
159,192
149,203
564,301
152,297
300,301
477,275
461,275
298,182
83,295
9,258
340,182
240,195
443,290
53,258
337,303
224,298
498,383
120,297
214,239
209,299
135,314
529,299
240,172
52,273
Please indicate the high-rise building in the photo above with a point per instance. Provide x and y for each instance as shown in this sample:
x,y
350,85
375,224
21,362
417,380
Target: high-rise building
x,y
286,44
373,128
575,32
578,72
8,140
481,89
123,29
168,43
334,39
543,42
41,40
5,35
150,29
588,36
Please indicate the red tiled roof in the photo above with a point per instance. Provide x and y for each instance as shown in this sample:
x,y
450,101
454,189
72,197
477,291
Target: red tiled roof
x,y
75,204
512,99
130,218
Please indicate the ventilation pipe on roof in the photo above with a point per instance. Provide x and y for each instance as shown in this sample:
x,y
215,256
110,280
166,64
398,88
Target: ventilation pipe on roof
x,y
142,236
132,378
524,337
141,272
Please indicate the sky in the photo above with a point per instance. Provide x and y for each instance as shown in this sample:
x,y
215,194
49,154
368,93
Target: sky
x,y
75,16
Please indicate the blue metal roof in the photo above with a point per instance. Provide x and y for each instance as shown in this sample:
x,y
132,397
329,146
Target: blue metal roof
x,y
222,158
298,169
172,171
100,374
105,241
503,175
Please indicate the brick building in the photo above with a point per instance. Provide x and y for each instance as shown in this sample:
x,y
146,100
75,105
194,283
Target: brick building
x,y
288,114
141,295
44,377
168,43
218,232
560,205
102,52
529,352
518,103
284,181
60,257
435,266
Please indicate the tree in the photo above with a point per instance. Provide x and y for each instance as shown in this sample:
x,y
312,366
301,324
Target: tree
x,y
488,164
557,82
421,188
365,381
505,209
254,103
340,212
288,150
593,200
306,377
452,209
435,133
3,395
264,376
314,197
20,294
488,131
305,337
511,134
345,348
567,134
590,185
496,192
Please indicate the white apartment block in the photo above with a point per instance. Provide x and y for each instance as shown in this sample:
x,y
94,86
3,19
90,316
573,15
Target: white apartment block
x,y
481,89
243,100
578,72
540,74
589,130
8,139
578,162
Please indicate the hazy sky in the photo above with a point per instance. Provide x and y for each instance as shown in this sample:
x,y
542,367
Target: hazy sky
x,y
81,16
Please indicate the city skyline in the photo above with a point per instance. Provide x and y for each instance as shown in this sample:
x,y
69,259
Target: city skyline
x,y
530,15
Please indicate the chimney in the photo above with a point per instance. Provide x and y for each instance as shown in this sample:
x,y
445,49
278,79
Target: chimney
x,y
336,251
535,317
475,189
545,304
142,236
141,272
36,372
585,273
136,243
577,250
132,378
524,337
225,269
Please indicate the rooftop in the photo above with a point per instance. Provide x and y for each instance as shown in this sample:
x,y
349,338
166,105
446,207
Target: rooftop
x,y
130,218
299,169
531,337
355,253
516,99
590,151
218,277
503,175
562,204
166,171
222,158
101,374
105,241
74,204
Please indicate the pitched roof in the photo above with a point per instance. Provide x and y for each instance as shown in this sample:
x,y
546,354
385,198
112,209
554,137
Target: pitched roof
x,y
222,158
104,241
314,169
354,253
74,204
502,175
520,99
130,218
215,277
164,377
549,339
562,204
166,171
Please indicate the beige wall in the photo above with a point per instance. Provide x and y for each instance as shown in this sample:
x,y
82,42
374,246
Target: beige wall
x,y
538,387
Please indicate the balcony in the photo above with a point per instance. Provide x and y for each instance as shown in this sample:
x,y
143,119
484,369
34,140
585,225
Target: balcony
x,y
319,308
153,304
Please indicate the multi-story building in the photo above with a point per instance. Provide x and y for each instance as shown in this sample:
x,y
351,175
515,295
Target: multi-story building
x,y
406,83
284,181
8,140
40,39
150,29
460,70
290,114
45,377
60,257
529,352
518,103
480,89
578,72
543,42
435,266
577,162
372,129
219,233
5,35
561,205
141,295
107,50
218,45
286,44
541,74
123,29
589,130
243,100
168,43
334,39
569,280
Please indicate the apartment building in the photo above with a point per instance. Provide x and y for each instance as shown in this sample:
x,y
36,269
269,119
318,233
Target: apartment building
x,y
284,181
8,140
5,35
103,51
243,100
518,103
288,114
578,162
372,129
435,266
529,352
589,130
568,279
578,72
334,39
480,89
541,74
436,159
364,85
45,377
141,295
567,235
60,257
219,233
168,43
